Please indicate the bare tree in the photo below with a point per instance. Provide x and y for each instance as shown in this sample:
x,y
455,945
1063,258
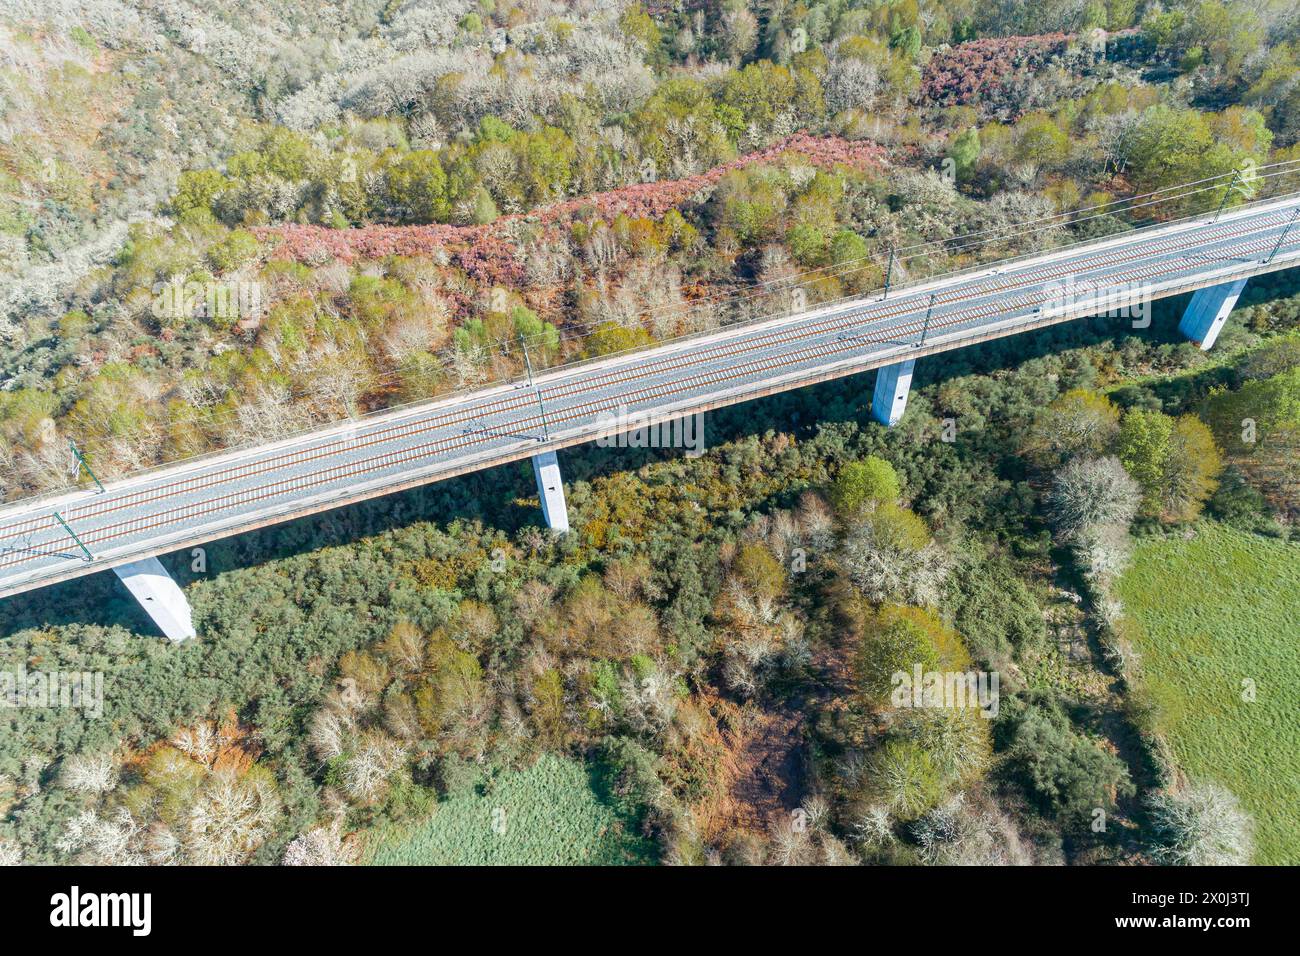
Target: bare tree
x,y
962,832
873,826
90,773
266,415
319,846
888,560
651,702
106,841
791,845
11,854
1092,493
1203,825
851,84
329,731
231,818
368,770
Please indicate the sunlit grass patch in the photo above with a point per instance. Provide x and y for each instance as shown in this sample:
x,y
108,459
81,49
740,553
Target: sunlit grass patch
x,y
549,814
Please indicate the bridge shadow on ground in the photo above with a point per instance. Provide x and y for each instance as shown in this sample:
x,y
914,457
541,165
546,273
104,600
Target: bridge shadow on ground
x,y
506,497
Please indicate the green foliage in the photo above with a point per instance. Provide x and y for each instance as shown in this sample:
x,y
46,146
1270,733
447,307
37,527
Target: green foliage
x,y
895,639
195,191
632,780
493,129
888,554
417,188
1170,146
1191,470
1040,141
686,102
1067,773
750,205
964,151
374,298
957,739
808,244
538,334
759,91
611,337
546,815
905,779
25,415
848,248
282,153
868,482
1143,447
639,26
1258,425
453,687
892,61
1080,422
760,572
1205,31
1237,502
82,38
1175,461
994,611
897,527
237,249
485,210
461,668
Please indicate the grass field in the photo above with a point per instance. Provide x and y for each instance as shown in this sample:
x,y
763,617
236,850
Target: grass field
x,y
549,814
1214,611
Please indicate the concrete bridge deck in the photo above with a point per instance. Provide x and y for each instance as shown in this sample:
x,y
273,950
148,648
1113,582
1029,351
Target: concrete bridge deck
x,y
54,538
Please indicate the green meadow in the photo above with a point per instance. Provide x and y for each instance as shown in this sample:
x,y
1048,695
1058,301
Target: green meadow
x,y
548,814
1218,615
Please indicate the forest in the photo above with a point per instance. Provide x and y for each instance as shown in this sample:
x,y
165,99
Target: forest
x,y
273,222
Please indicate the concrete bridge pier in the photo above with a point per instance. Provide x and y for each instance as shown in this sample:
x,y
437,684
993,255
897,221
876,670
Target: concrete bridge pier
x,y
550,488
1207,312
151,585
893,382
